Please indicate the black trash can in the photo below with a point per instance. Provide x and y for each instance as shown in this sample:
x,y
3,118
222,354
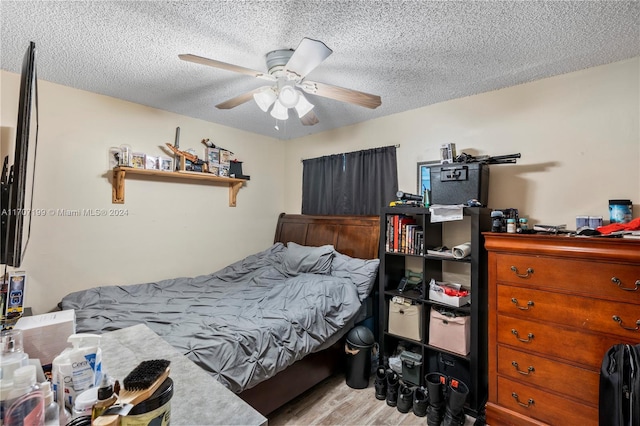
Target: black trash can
x,y
358,351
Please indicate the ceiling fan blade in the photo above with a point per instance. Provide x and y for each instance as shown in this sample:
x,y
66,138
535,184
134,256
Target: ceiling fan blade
x,y
238,100
341,94
308,55
309,119
225,66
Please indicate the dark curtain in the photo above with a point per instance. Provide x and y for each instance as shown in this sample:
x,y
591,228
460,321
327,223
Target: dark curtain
x,y
354,183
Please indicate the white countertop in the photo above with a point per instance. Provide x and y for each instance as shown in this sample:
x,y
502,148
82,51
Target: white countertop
x,y
198,399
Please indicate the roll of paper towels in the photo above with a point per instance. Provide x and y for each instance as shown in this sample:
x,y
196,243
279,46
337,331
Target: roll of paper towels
x,y
461,251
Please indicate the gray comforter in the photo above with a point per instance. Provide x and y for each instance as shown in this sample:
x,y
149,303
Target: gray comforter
x,y
243,323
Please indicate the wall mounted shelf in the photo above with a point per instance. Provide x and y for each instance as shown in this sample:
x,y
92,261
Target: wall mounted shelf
x,y
119,174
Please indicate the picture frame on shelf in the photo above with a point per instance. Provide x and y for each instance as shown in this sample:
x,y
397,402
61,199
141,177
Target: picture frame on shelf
x,y
165,164
151,163
138,160
212,155
225,157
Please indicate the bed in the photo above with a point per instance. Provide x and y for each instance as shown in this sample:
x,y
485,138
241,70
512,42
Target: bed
x,y
269,326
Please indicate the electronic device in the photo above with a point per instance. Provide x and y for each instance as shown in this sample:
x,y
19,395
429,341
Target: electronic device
x,y
14,178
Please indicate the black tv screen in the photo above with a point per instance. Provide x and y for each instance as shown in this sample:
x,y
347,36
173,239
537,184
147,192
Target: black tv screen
x,y
14,176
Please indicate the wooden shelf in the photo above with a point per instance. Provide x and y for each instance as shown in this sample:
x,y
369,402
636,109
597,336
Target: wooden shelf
x,y
119,174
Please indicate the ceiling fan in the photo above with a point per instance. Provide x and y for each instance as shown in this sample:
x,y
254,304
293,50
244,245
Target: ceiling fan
x,y
287,70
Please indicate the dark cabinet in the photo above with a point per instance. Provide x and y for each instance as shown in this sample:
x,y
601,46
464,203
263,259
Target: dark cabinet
x,y
406,234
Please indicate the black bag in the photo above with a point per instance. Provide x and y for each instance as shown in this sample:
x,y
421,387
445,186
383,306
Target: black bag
x,y
620,386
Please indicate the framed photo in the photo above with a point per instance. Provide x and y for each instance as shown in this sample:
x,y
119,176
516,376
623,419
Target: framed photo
x,y
212,155
424,176
165,163
223,171
138,160
151,162
225,157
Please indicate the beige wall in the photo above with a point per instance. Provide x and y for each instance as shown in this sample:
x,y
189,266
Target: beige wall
x,y
171,228
578,133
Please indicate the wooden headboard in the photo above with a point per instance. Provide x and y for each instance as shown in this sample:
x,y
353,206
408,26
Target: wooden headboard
x,y
355,236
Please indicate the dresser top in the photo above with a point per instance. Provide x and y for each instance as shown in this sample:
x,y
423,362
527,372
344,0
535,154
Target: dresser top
x,y
594,248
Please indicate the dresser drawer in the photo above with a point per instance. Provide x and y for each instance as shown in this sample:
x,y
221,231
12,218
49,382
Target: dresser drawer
x,y
607,280
563,378
545,406
564,343
598,315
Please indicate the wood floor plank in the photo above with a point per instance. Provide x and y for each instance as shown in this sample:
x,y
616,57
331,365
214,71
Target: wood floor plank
x,y
332,402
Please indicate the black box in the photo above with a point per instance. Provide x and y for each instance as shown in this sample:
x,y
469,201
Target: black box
x,y
457,183
450,366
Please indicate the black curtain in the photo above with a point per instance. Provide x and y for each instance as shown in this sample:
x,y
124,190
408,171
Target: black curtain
x,y
354,183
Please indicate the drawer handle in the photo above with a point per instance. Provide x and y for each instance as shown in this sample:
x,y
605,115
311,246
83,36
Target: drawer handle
x,y
519,275
527,340
617,282
522,308
530,369
527,405
619,321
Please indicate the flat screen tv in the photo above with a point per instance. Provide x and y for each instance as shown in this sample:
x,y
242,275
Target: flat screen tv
x,y
15,217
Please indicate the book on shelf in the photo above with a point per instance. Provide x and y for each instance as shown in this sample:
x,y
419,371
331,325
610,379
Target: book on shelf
x,y
403,235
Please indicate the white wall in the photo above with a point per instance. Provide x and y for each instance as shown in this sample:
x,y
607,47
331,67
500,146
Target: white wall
x,y
578,133
171,228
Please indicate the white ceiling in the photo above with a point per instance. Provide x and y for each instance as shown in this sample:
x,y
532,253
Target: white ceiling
x,y
411,53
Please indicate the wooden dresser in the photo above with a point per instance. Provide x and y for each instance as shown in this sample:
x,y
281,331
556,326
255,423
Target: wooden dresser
x,y
556,304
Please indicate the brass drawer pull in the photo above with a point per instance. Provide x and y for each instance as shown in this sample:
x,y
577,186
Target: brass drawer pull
x,y
522,308
519,275
527,405
527,340
619,321
617,282
530,369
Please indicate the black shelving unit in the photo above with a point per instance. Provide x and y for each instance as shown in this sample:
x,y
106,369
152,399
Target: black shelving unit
x,y
471,368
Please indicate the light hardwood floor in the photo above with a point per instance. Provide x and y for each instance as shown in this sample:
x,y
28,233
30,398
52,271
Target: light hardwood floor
x,y
332,402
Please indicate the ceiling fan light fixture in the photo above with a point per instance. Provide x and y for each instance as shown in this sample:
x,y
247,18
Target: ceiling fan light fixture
x,y
288,96
303,106
265,98
279,111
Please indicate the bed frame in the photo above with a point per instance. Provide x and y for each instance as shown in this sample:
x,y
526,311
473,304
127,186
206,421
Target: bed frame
x,y
355,236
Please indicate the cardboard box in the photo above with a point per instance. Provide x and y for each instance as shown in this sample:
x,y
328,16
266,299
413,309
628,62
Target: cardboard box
x,y
45,336
449,332
405,320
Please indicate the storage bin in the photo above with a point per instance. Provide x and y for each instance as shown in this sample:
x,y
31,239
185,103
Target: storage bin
x,y
452,333
411,363
405,319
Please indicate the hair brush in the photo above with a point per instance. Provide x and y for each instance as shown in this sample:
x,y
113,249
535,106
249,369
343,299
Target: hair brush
x,y
138,386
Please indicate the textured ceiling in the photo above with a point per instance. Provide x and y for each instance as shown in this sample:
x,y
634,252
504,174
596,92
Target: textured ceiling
x,y
411,53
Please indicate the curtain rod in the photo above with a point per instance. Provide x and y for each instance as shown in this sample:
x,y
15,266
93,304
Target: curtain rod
x,y
396,146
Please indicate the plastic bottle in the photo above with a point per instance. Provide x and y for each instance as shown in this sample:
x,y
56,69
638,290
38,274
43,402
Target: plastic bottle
x,y
524,225
12,356
77,369
511,226
51,408
25,403
106,397
84,402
